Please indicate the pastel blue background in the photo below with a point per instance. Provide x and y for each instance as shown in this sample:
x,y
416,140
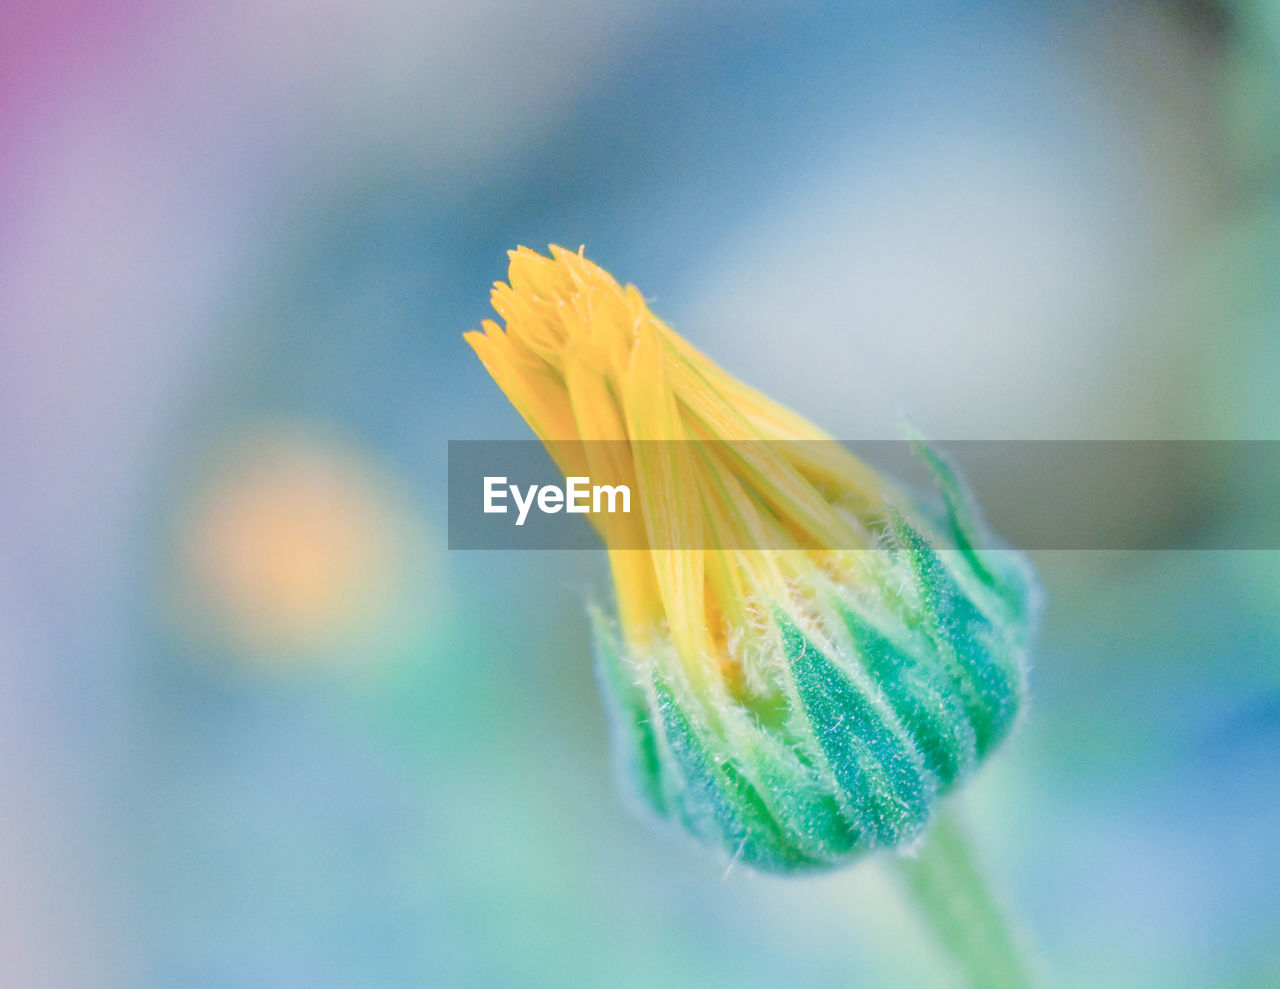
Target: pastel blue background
x,y
242,242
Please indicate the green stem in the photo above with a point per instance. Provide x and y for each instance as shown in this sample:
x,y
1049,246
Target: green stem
x,y
946,882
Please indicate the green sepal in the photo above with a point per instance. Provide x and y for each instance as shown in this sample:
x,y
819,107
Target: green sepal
x,y
921,694
807,811
885,784
715,802
982,661
1004,573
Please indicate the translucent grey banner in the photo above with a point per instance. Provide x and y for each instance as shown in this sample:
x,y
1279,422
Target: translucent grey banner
x,y
1033,494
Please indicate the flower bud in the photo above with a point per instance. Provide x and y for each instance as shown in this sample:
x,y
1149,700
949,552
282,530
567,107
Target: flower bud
x,y
804,659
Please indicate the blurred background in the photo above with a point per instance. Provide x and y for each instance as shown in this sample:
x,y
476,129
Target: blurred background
x,y
259,727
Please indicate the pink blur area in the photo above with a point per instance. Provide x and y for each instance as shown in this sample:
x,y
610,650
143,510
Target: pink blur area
x,y
51,48
82,242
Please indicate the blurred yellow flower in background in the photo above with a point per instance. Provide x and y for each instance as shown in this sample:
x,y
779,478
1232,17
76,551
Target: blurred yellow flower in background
x,y
294,548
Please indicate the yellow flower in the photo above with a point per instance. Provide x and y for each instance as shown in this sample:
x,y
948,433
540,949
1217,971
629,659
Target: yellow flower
x,y
799,672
